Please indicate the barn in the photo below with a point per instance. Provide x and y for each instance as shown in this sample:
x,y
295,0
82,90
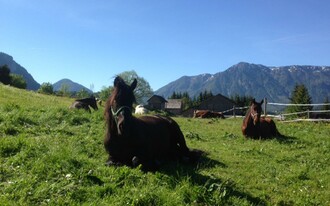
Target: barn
x,y
156,102
217,103
174,106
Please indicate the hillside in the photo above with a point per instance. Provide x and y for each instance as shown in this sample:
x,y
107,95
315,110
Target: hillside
x,y
18,69
73,86
256,80
51,155
30,99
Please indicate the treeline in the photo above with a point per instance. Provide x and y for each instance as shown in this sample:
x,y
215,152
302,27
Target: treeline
x,y
47,88
188,102
15,80
8,78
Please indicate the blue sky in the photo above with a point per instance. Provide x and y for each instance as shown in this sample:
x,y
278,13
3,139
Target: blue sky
x,y
90,41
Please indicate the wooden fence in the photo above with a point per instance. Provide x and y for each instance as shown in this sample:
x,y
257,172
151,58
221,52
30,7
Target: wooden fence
x,y
283,116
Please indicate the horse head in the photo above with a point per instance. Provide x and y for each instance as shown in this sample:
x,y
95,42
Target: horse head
x,y
92,102
255,111
120,105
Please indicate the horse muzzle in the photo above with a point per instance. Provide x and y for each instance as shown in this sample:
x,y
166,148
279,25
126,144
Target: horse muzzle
x,y
256,118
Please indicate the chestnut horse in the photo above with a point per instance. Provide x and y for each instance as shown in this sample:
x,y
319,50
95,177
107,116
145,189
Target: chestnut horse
x,y
146,140
208,114
255,126
85,104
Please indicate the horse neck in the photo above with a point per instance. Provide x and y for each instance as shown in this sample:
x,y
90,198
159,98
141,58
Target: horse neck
x,y
110,121
248,119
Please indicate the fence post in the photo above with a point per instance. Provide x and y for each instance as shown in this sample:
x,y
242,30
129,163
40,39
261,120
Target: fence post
x,y
265,107
234,111
307,113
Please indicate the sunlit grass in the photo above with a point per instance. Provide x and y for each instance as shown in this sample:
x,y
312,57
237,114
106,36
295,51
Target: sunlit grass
x,y
51,155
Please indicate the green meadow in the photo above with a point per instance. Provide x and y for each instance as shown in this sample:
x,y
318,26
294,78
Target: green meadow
x,y
51,155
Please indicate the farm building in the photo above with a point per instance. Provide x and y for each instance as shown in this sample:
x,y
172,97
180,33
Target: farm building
x,y
174,106
156,102
217,103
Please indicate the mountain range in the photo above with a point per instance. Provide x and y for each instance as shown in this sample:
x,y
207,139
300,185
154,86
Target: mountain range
x,y
32,84
72,86
244,79
15,68
259,81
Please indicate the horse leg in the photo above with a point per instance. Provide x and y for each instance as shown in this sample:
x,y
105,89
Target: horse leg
x,y
148,164
112,162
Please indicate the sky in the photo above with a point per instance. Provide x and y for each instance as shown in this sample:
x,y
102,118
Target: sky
x,y
91,41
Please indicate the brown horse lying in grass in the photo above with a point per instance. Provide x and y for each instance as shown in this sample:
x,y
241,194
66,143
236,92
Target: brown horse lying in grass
x,y
208,114
255,126
146,140
85,104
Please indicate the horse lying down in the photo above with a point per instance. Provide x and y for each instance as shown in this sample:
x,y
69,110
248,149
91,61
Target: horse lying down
x,y
85,104
256,127
145,140
208,114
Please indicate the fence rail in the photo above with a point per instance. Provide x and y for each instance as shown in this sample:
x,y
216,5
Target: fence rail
x,y
308,112
282,116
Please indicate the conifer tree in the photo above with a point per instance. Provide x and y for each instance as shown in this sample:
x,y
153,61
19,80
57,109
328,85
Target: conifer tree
x,y
300,95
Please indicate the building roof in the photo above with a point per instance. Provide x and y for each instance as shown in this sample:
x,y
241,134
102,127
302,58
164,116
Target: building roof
x,y
174,104
219,96
156,98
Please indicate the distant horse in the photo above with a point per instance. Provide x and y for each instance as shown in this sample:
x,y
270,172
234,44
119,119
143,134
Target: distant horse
x,y
85,104
255,126
145,140
99,101
140,109
208,114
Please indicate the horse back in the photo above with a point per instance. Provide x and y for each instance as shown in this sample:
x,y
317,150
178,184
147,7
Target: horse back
x,y
79,105
268,128
162,135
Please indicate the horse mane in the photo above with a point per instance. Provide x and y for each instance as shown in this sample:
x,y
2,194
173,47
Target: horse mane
x,y
119,84
247,117
108,114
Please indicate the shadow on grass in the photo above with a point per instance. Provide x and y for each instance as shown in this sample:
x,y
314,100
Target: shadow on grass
x,y
286,139
283,139
214,190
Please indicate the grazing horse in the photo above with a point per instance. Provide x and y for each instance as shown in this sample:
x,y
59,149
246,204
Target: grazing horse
x,y
85,104
208,114
145,140
255,126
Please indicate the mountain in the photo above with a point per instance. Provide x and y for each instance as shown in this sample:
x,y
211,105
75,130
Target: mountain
x,y
18,69
259,81
73,86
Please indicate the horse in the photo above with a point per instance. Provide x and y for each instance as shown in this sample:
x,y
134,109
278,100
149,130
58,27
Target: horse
x,y
254,126
208,114
143,140
140,109
85,104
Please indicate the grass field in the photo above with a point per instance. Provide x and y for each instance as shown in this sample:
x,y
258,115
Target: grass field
x,y
51,155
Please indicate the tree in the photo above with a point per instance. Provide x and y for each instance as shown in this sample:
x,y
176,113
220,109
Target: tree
x,y
46,88
142,91
241,101
327,106
300,95
83,94
17,81
5,74
105,93
64,90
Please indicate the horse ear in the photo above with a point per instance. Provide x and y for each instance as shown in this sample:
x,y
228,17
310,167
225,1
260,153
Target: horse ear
x,y
253,101
262,101
117,81
133,85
